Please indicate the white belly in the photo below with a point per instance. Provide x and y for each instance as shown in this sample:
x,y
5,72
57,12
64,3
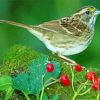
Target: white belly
x,y
63,51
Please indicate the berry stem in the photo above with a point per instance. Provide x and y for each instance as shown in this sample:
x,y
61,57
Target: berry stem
x,y
52,82
85,92
37,96
42,87
49,80
72,79
75,96
98,95
42,93
45,85
79,89
26,95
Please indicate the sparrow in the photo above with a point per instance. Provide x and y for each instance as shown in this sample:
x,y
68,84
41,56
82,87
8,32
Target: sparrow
x,y
69,35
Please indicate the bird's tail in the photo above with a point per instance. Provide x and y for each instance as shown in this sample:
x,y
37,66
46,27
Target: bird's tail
x,y
16,24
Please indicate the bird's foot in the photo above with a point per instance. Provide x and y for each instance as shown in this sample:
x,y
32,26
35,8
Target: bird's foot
x,y
68,61
70,64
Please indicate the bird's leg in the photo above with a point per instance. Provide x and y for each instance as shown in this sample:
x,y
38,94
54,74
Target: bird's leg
x,y
68,61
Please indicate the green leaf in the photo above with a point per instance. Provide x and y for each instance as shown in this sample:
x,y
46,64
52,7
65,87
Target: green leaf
x,y
21,82
55,97
5,82
9,92
31,82
45,97
53,74
38,69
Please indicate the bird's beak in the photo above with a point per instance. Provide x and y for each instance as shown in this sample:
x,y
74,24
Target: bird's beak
x,y
97,12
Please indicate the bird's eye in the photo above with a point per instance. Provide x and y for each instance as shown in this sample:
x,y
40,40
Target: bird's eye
x,y
87,12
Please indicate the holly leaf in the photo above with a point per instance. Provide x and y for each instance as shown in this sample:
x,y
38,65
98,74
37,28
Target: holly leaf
x,y
32,81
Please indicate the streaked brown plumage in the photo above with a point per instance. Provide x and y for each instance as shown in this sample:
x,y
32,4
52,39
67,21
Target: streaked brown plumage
x,y
66,36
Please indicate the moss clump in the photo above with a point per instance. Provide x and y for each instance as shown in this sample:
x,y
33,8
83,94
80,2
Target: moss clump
x,y
17,59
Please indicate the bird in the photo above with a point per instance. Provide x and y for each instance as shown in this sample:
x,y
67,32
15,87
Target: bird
x,y
65,36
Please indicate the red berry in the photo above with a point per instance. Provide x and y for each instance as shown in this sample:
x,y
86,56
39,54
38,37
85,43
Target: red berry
x,y
96,80
49,67
95,85
91,75
65,80
78,68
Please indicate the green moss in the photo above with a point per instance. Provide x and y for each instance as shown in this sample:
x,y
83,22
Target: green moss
x,y
17,59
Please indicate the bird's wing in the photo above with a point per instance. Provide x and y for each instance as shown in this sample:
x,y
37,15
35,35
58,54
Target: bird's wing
x,y
51,26
67,25
73,25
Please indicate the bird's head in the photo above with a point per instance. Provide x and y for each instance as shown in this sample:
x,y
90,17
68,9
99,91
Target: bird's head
x,y
87,14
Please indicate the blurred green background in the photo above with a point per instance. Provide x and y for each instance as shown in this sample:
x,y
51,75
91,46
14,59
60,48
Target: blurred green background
x,y
34,12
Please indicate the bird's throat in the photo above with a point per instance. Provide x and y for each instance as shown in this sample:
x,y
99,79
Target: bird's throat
x,y
92,21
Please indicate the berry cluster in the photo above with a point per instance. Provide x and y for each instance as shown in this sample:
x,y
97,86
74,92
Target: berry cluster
x,y
64,79
91,76
91,79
